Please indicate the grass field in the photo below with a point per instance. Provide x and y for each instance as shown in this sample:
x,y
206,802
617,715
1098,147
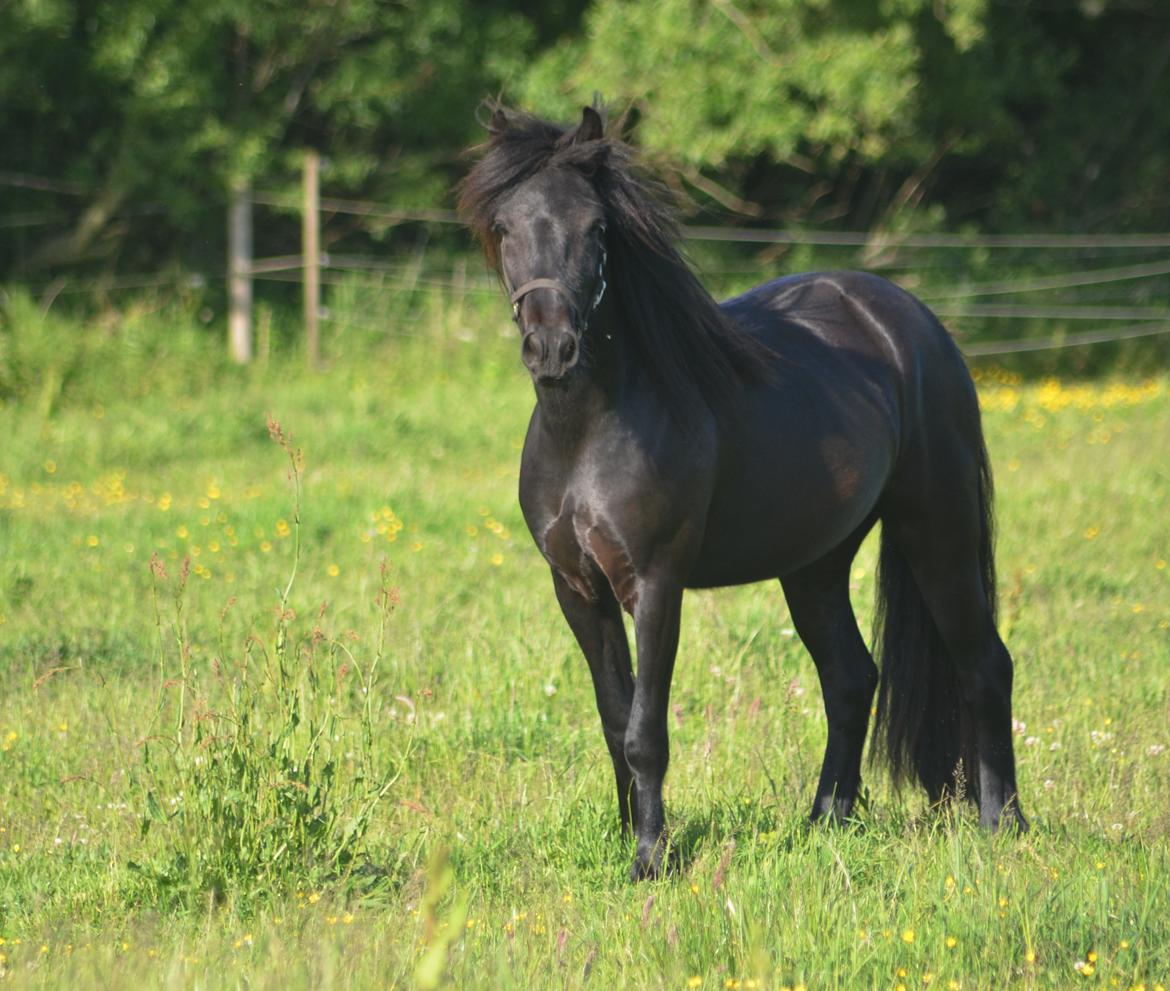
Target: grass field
x,y
250,737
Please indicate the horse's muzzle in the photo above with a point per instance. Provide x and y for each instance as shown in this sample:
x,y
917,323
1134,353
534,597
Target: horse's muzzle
x,y
549,354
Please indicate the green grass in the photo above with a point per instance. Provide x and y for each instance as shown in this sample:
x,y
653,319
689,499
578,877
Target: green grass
x,y
149,832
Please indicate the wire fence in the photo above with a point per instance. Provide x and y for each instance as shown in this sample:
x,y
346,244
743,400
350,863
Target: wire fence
x,y
1131,300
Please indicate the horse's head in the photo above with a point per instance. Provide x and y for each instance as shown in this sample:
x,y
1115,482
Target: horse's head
x,y
546,233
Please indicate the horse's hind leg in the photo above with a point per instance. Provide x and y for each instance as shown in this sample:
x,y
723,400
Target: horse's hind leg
x,y
818,599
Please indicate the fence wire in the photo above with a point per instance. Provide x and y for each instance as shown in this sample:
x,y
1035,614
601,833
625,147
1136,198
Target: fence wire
x,y
960,300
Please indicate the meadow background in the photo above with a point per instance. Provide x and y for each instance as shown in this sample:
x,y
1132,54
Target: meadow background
x,y
385,770
285,698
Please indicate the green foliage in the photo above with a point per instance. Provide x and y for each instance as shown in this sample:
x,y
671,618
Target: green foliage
x,y
164,103
848,112
39,353
48,357
720,81
126,123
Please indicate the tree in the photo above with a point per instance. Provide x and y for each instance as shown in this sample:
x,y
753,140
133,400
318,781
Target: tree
x,y
169,103
853,111
126,123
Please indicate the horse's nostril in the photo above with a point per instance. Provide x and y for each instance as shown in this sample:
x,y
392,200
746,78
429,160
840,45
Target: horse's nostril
x,y
530,348
568,350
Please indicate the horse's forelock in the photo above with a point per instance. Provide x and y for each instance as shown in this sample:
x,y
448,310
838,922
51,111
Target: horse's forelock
x,y
681,332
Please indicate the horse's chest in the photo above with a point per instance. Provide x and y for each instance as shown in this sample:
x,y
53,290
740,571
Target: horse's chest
x,y
588,554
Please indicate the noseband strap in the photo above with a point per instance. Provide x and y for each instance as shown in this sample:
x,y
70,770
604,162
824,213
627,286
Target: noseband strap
x,y
516,297
524,290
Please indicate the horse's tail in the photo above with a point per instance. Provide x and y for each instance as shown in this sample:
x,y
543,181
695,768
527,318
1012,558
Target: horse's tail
x,y
923,726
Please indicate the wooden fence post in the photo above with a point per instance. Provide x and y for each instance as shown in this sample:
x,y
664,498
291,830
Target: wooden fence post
x,y
240,273
311,253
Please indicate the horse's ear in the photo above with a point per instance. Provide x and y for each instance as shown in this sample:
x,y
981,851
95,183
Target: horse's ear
x,y
591,127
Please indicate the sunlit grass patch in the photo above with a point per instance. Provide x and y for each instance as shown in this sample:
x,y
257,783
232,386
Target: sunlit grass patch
x,y
484,706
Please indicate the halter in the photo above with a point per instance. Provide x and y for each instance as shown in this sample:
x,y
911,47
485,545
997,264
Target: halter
x,y
516,297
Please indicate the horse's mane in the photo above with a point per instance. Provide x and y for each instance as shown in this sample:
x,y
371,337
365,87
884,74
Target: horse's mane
x,y
682,338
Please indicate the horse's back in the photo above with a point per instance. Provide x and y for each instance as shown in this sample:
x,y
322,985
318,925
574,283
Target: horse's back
x,y
856,325
857,312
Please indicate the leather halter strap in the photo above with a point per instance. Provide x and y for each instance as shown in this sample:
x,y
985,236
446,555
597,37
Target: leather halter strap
x,y
553,284
517,295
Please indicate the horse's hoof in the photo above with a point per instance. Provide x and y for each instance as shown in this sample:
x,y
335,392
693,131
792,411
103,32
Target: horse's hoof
x,y
1014,820
1009,819
658,863
837,814
642,870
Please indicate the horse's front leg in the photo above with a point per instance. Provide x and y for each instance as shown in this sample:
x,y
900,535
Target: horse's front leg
x,y
656,621
599,630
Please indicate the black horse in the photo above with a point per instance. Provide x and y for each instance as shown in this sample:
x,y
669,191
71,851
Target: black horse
x,y
679,443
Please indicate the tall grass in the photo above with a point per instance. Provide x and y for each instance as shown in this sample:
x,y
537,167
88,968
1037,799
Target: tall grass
x,y
236,749
268,759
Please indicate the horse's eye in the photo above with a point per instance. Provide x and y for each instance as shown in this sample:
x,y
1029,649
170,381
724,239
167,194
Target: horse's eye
x,y
499,229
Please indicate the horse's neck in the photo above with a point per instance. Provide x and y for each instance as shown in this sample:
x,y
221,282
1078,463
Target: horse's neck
x,y
567,412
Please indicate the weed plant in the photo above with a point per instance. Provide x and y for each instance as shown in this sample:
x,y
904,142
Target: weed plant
x,y
269,762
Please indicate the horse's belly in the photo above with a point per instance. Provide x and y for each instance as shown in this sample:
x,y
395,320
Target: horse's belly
x,y
772,523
